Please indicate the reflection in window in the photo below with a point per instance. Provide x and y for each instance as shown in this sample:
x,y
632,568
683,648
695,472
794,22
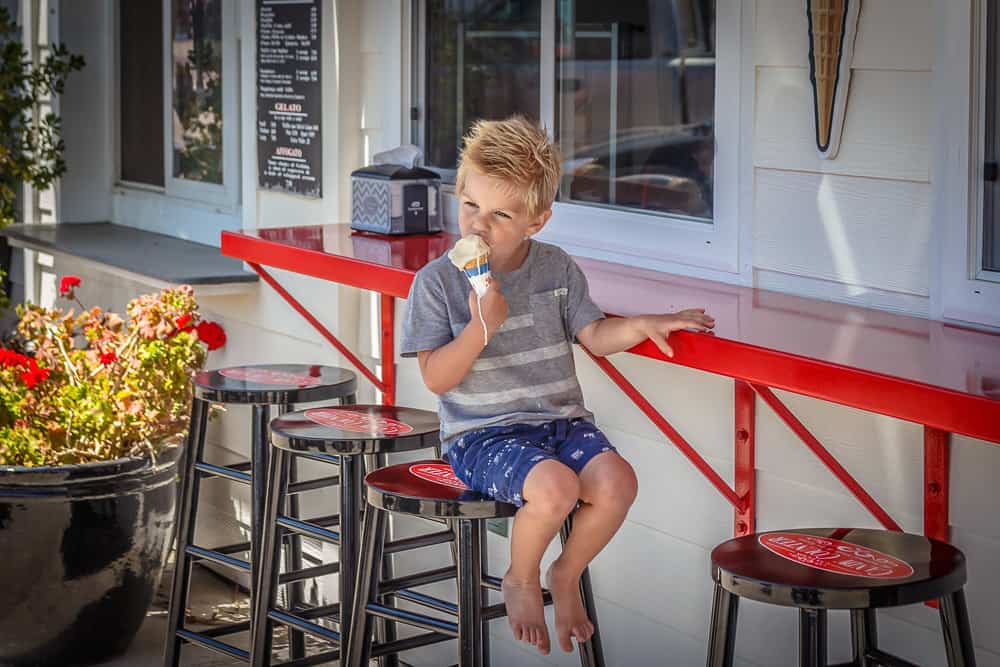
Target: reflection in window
x,y
482,63
991,190
635,82
197,90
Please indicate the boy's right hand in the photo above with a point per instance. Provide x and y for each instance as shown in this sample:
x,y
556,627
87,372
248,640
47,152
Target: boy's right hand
x,y
494,308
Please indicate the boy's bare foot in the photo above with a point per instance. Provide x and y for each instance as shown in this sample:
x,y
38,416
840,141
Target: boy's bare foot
x,y
525,614
571,617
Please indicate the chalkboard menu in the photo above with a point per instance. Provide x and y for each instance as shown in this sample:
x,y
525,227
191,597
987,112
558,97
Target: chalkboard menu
x,y
289,140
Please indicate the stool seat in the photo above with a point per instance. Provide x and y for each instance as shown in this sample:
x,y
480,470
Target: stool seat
x,y
274,384
430,488
838,568
356,429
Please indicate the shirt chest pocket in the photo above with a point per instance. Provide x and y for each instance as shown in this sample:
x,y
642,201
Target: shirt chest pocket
x,y
548,309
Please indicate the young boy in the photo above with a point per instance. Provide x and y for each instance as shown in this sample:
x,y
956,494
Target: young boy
x,y
513,422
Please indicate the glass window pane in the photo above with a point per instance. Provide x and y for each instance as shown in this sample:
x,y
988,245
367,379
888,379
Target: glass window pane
x,y
141,91
635,82
991,191
197,90
482,63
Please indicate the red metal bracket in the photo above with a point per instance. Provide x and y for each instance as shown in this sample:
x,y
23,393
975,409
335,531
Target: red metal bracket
x,y
387,385
745,480
640,401
824,455
937,466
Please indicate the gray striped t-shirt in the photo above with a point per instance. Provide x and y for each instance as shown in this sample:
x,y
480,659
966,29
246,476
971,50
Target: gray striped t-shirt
x,y
526,374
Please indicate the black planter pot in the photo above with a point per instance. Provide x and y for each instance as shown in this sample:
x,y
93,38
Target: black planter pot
x,y
82,548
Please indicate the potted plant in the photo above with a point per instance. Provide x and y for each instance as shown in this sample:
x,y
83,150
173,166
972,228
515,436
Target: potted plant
x,y
93,410
31,145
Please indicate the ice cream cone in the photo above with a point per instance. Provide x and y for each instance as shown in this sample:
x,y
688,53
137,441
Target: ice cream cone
x,y
471,255
478,272
827,21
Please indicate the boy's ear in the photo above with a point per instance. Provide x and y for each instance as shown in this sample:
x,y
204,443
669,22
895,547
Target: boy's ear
x,y
539,222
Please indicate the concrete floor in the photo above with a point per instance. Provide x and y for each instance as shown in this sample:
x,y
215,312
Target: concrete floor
x,y
213,601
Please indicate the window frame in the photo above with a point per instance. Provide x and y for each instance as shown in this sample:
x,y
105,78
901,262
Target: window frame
x,y
650,240
226,193
962,291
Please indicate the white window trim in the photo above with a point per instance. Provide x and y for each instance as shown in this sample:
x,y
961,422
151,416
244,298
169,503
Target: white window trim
x,y
674,244
957,292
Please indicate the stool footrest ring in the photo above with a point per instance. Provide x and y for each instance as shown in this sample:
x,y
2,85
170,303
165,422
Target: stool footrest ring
x,y
234,473
216,557
298,623
440,537
308,661
424,621
315,528
308,573
413,580
214,645
309,485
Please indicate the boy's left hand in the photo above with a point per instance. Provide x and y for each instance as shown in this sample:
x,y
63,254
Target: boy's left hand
x,y
658,327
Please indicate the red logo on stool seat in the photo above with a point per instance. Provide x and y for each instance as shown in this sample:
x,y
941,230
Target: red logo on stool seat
x,y
439,473
268,376
357,422
837,556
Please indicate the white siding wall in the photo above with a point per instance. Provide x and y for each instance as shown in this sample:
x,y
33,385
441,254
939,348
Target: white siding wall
x,y
855,228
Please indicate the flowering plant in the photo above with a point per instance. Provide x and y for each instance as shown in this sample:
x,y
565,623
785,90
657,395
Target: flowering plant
x,y
76,388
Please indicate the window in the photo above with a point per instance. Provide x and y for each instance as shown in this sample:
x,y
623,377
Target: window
x,y
141,92
177,64
990,235
196,103
628,91
967,194
633,83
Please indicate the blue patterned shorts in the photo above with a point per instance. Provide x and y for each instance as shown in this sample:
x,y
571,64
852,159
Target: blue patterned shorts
x,y
495,461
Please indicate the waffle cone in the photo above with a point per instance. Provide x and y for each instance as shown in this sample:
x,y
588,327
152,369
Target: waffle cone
x,y
827,18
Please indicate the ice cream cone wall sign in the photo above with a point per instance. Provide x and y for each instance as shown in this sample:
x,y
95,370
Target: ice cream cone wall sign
x,y
833,25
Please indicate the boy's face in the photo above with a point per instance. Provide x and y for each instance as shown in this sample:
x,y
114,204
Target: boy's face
x,y
494,210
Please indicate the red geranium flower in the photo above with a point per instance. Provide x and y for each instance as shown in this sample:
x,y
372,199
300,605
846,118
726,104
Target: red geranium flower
x,y
108,357
12,359
67,284
183,321
212,335
34,374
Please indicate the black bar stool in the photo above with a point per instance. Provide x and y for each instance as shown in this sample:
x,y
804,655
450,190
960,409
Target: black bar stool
x,y
259,386
431,489
342,436
816,569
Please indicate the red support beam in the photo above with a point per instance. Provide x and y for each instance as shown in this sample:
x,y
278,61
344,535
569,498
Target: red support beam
x,y
745,477
318,326
937,465
826,457
388,354
669,431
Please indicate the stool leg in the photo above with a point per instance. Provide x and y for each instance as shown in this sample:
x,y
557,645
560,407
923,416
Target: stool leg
x,y
259,445
470,583
188,496
864,635
955,627
591,652
484,595
722,636
266,583
357,651
812,638
293,557
385,630
351,474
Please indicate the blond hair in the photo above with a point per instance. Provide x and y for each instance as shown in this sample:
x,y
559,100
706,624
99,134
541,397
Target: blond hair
x,y
517,151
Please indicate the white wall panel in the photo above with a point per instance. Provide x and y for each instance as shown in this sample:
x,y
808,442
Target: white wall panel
x,y
856,231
